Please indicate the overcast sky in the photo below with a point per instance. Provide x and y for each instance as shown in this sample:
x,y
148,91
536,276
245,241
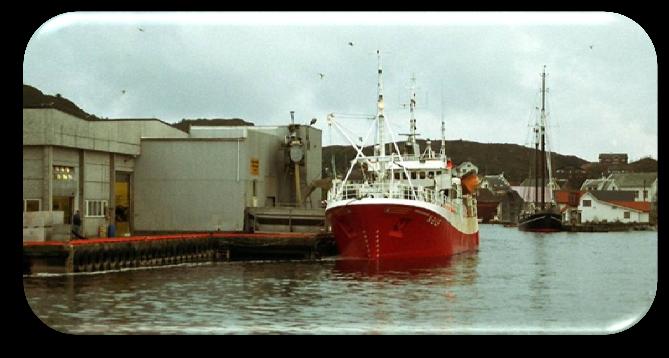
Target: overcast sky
x,y
483,69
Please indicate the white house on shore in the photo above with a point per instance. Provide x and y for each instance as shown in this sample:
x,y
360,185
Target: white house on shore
x,y
612,206
466,167
495,183
644,185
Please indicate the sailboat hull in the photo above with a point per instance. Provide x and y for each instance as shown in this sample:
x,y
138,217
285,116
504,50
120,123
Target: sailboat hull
x,y
541,222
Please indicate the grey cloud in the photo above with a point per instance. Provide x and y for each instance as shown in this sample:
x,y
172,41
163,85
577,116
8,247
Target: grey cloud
x,y
489,75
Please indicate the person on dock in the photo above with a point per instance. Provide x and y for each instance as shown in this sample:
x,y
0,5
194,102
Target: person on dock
x,y
111,228
76,225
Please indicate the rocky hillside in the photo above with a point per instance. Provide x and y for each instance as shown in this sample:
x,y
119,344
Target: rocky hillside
x,y
34,98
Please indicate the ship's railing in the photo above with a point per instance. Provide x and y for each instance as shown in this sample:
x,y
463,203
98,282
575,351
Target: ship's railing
x,y
396,157
385,190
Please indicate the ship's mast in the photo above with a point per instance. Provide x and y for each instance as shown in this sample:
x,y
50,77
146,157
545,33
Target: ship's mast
x,y
412,122
543,132
442,152
380,119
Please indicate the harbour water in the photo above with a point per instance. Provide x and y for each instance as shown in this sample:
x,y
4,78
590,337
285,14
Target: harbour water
x,y
517,282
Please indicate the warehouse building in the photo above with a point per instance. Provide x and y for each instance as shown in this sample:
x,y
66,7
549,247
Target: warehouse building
x,y
204,182
144,175
70,163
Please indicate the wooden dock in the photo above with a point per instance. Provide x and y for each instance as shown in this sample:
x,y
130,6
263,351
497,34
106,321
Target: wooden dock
x,y
100,254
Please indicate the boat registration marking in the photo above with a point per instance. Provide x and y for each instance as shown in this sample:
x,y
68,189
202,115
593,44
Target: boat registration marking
x,y
435,221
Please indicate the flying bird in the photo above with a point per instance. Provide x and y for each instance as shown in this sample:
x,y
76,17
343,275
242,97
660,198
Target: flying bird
x,y
322,75
140,29
591,47
350,43
313,121
122,91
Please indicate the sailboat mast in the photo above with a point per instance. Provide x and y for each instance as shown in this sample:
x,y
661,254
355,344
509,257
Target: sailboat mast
x,y
380,119
543,129
536,165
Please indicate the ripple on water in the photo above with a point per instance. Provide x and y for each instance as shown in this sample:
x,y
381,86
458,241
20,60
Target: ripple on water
x,y
514,283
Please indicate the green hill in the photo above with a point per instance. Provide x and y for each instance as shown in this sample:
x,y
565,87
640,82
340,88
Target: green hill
x,y
490,158
643,165
494,158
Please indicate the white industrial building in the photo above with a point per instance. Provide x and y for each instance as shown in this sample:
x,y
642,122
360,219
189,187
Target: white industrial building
x,y
204,182
144,175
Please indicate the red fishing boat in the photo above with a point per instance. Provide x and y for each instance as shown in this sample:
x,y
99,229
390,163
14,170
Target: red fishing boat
x,y
407,205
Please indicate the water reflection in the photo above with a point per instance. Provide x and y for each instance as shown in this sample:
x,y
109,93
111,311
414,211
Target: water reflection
x,y
540,298
408,268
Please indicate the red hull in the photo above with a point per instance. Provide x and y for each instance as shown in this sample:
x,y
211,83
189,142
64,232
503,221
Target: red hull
x,y
384,231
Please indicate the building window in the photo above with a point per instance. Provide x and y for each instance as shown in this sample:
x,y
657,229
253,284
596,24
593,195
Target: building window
x,y
587,203
397,176
626,214
413,175
645,195
96,208
422,175
32,205
63,173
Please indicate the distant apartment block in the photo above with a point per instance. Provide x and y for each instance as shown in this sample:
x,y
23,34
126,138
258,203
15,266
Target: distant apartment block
x,y
612,158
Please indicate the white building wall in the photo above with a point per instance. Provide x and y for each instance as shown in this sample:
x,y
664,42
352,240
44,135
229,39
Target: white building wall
x,y
465,167
650,189
601,210
33,163
191,185
96,187
68,157
96,176
124,163
204,183
175,188
48,126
